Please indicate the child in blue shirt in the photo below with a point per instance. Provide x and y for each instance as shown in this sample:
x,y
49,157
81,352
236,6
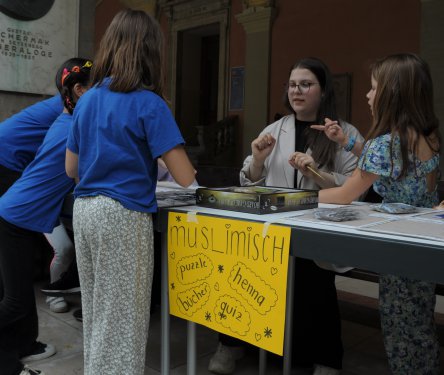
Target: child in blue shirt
x,y
20,136
121,126
31,206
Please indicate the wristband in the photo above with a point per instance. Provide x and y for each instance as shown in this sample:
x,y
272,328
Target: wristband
x,y
350,144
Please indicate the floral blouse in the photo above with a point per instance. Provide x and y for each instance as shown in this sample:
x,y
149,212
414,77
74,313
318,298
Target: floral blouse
x,y
410,189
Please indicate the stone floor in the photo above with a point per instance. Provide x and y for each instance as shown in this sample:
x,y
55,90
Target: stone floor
x,y
364,352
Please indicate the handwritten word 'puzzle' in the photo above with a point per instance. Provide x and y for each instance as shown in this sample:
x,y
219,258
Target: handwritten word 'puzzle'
x,y
229,275
194,268
253,289
232,315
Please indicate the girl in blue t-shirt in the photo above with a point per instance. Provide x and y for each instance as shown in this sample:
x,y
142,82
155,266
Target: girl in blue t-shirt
x,y
20,136
121,126
31,206
401,160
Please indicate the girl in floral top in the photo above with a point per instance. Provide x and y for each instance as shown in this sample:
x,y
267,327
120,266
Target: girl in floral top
x,y
400,159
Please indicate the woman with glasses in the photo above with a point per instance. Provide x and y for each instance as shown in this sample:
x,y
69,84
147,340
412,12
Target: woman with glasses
x,y
310,98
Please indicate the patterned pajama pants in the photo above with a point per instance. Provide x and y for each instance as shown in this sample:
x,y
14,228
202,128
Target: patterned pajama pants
x,y
407,318
115,259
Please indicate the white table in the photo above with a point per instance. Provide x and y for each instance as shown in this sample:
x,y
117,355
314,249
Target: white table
x,y
410,254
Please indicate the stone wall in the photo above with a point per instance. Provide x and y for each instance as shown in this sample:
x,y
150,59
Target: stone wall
x,y
13,102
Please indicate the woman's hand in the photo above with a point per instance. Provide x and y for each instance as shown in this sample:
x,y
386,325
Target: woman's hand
x,y
261,147
440,206
333,131
303,162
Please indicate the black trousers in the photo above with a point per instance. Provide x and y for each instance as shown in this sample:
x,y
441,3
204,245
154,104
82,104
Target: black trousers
x,y
316,318
18,314
7,178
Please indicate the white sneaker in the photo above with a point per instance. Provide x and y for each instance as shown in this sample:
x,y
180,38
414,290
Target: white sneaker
x,y
325,370
224,360
31,371
57,304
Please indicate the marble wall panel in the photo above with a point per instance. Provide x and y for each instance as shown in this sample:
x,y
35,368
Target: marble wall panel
x,y
32,50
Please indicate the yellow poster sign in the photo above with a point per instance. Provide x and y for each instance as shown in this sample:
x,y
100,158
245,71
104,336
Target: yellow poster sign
x,y
229,275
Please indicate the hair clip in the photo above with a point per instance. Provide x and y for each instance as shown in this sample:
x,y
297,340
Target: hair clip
x,y
65,74
75,69
88,64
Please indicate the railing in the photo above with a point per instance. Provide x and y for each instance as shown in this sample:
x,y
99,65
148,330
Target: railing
x,y
217,143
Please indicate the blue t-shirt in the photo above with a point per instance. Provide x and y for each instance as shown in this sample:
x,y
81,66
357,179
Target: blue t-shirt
x,y
22,134
118,137
34,201
383,158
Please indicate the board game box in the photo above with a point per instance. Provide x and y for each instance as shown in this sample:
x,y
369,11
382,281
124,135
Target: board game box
x,y
257,199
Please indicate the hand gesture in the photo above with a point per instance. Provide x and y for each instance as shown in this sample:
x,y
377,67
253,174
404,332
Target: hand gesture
x,y
262,146
300,161
333,131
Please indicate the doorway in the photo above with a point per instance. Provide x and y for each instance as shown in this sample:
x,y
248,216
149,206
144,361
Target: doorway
x,y
197,79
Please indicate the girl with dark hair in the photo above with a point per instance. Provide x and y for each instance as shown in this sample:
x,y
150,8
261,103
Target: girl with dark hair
x,y
401,160
32,206
121,126
316,321
71,76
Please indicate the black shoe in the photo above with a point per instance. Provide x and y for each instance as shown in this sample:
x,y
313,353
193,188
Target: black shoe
x,y
67,284
38,351
77,314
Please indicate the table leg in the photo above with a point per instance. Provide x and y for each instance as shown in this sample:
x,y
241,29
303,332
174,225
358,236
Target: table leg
x,y
262,362
164,309
191,348
289,317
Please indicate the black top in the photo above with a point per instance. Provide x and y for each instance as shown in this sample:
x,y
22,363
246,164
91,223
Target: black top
x,y
301,130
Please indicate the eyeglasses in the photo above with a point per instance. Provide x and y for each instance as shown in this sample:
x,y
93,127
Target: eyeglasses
x,y
303,87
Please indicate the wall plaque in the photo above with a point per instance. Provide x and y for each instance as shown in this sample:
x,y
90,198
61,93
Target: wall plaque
x,y
34,44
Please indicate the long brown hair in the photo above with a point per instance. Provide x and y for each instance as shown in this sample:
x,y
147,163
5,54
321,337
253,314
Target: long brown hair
x,y
130,53
403,104
323,150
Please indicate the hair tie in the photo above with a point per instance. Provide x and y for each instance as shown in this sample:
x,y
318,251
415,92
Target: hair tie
x,y
65,74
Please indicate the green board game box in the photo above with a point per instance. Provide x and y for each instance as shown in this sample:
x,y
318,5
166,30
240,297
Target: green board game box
x,y
257,199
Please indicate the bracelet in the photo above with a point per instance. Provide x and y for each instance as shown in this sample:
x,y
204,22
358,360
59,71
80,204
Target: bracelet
x,y
350,144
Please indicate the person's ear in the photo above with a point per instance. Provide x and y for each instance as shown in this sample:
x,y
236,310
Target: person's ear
x,y
78,90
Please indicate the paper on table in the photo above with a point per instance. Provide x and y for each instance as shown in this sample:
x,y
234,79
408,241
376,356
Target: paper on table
x,y
411,228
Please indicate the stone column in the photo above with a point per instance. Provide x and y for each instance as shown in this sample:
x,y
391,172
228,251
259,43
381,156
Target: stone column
x,y
432,50
86,28
257,19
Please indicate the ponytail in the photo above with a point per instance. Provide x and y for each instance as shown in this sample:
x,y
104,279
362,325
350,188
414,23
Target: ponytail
x,y
71,72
